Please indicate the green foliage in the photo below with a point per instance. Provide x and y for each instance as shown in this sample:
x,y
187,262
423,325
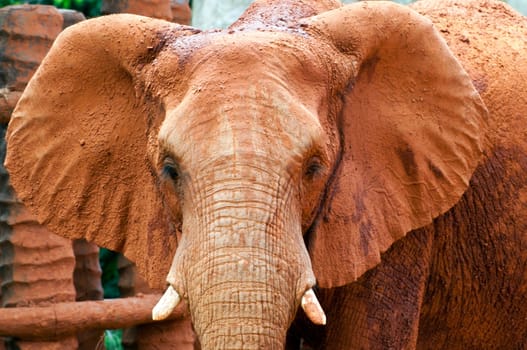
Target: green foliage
x,y
110,273
90,8
110,284
16,2
112,339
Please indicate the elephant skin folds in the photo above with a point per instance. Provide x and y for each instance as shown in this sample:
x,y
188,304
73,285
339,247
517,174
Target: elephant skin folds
x,y
370,152
459,283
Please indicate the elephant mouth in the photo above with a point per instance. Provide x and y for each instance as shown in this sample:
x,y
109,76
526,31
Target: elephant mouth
x,y
171,298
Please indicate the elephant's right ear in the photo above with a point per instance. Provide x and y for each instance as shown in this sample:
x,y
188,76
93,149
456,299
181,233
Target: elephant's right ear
x,y
82,135
411,128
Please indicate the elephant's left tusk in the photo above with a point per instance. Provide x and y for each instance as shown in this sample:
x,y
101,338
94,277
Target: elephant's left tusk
x,y
312,308
166,304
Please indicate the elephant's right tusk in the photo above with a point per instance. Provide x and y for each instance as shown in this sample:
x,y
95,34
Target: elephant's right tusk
x,y
166,304
312,308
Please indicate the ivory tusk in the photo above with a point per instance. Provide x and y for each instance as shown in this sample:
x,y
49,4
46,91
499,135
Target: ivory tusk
x,y
166,304
312,308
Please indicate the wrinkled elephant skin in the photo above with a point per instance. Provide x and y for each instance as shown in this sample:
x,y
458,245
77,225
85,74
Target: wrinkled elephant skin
x,y
359,150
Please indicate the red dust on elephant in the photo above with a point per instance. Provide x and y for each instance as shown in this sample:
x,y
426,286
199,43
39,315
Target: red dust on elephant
x,y
371,155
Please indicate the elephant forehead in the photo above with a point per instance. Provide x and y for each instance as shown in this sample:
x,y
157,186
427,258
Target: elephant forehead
x,y
252,93
256,120
242,55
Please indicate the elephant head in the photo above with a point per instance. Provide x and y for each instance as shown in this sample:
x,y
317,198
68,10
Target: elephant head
x,y
244,166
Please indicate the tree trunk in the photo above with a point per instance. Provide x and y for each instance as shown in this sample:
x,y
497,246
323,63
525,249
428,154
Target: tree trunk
x,y
87,281
64,319
36,266
26,33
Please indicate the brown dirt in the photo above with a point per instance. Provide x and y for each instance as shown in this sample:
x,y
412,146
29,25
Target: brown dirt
x,y
405,131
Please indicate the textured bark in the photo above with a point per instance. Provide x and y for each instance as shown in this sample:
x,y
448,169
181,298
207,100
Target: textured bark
x,y
26,34
87,273
63,319
128,286
87,281
36,267
70,17
69,343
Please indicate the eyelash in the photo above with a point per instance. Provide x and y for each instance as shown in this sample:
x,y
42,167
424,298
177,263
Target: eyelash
x,y
171,170
314,167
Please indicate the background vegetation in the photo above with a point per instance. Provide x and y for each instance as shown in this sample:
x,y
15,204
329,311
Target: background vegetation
x,y
90,8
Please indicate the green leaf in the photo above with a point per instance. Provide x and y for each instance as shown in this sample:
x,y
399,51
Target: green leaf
x,y
113,339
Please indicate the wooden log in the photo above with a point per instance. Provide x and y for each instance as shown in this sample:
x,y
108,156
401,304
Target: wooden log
x,y
63,319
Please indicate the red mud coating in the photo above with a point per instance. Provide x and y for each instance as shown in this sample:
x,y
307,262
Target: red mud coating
x,y
459,283
369,93
400,165
484,241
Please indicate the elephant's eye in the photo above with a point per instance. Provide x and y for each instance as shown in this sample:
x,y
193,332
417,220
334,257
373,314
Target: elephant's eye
x,y
313,168
170,169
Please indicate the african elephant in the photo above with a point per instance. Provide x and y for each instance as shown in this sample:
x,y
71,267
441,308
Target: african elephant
x,y
309,145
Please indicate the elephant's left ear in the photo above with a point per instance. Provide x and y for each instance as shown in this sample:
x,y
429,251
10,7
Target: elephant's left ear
x,y
411,126
81,139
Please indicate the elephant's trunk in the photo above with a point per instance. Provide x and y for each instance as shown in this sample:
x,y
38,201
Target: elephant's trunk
x,y
246,315
243,301
242,262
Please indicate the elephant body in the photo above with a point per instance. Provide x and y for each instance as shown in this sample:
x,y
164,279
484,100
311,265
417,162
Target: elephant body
x,y
456,284
460,282
347,149
487,250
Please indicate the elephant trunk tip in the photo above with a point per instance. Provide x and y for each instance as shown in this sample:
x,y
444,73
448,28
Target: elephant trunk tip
x,y
166,304
312,308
